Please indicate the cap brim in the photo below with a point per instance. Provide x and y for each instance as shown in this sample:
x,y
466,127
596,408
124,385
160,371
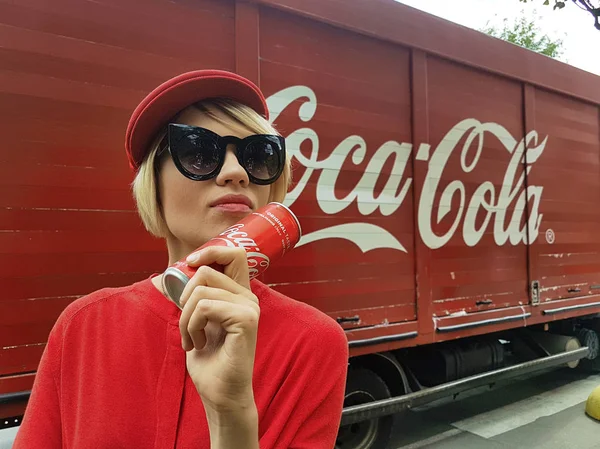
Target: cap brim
x,y
171,97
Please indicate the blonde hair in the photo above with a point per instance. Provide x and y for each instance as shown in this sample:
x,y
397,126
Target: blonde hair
x,y
145,184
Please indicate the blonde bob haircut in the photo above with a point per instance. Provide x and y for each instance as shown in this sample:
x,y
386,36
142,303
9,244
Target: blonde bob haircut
x,y
145,184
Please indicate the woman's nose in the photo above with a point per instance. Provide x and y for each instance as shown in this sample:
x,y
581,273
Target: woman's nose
x,y
232,172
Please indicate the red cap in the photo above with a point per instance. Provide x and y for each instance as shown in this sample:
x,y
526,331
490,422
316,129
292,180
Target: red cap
x,y
176,94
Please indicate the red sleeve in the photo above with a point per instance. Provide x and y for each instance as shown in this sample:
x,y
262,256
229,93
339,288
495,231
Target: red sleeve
x,y
322,420
306,412
41,425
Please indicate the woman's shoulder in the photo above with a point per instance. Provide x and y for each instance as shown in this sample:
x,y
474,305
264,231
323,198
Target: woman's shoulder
x,y
279,310
106,302
301,337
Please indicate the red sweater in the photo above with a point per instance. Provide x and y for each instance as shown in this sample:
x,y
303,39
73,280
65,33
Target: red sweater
x,y
113,375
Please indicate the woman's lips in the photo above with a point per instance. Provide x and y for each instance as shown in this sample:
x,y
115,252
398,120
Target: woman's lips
x,y
233,208
232,203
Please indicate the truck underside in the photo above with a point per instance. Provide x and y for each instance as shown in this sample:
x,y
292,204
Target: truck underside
x,y
382,384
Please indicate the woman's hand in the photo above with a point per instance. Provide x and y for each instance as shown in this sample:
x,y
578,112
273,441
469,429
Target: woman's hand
x,y
219,325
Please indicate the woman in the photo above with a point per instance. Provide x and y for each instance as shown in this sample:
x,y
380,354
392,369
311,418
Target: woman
x,y
241,366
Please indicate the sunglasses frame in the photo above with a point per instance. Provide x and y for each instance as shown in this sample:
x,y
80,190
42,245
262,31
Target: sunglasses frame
x,y
176,132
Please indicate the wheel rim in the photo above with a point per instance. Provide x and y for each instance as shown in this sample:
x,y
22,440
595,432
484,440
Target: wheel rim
x,y
359,435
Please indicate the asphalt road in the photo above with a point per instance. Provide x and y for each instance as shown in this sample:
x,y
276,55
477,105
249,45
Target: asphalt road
x,y
534,412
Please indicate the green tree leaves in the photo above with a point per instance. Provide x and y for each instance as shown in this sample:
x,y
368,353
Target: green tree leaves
x,y
525,33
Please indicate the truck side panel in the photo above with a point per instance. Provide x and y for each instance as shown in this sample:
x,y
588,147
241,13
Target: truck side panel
x,y
481,262
566,257
344,176
70,75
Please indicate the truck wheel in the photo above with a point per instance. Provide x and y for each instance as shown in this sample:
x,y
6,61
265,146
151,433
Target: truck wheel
x,y
363,385
589,338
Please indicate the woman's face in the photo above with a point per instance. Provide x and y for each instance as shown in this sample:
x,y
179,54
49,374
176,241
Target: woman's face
x,y
196,211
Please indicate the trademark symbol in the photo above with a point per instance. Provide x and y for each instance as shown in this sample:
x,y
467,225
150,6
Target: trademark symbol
x,y
550,236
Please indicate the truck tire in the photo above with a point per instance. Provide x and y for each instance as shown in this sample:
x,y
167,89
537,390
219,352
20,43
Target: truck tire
x,y
363,385
590,338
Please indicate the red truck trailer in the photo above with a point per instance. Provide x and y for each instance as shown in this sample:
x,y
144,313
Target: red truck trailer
x,y
448,183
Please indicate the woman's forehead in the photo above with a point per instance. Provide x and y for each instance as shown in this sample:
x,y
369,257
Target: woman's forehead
x,y
223,125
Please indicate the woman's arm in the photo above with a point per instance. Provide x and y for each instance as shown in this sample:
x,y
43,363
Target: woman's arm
x,y
219,325
236,429
42,426
305,412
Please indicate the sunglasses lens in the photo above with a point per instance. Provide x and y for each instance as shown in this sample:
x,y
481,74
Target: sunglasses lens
x,y
262,159
199,155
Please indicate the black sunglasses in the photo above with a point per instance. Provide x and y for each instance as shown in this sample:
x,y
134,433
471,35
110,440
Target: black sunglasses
x,y
199,153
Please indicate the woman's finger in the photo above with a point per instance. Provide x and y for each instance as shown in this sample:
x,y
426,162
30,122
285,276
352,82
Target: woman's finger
x,y
196,325
201,293
233,260
207,276
198,293
233,318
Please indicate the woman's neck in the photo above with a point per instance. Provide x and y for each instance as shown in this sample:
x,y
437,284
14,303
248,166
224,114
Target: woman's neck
x,y
177,249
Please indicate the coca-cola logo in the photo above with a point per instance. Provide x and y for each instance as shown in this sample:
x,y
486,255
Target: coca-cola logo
x,y
504,210
234,237
257,263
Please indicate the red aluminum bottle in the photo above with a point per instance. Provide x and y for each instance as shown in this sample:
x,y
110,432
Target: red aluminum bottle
x,y
266,235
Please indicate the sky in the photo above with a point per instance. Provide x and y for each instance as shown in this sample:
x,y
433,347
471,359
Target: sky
x,y
571,24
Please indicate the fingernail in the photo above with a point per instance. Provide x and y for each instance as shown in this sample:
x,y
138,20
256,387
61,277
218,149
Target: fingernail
x,y
192,258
